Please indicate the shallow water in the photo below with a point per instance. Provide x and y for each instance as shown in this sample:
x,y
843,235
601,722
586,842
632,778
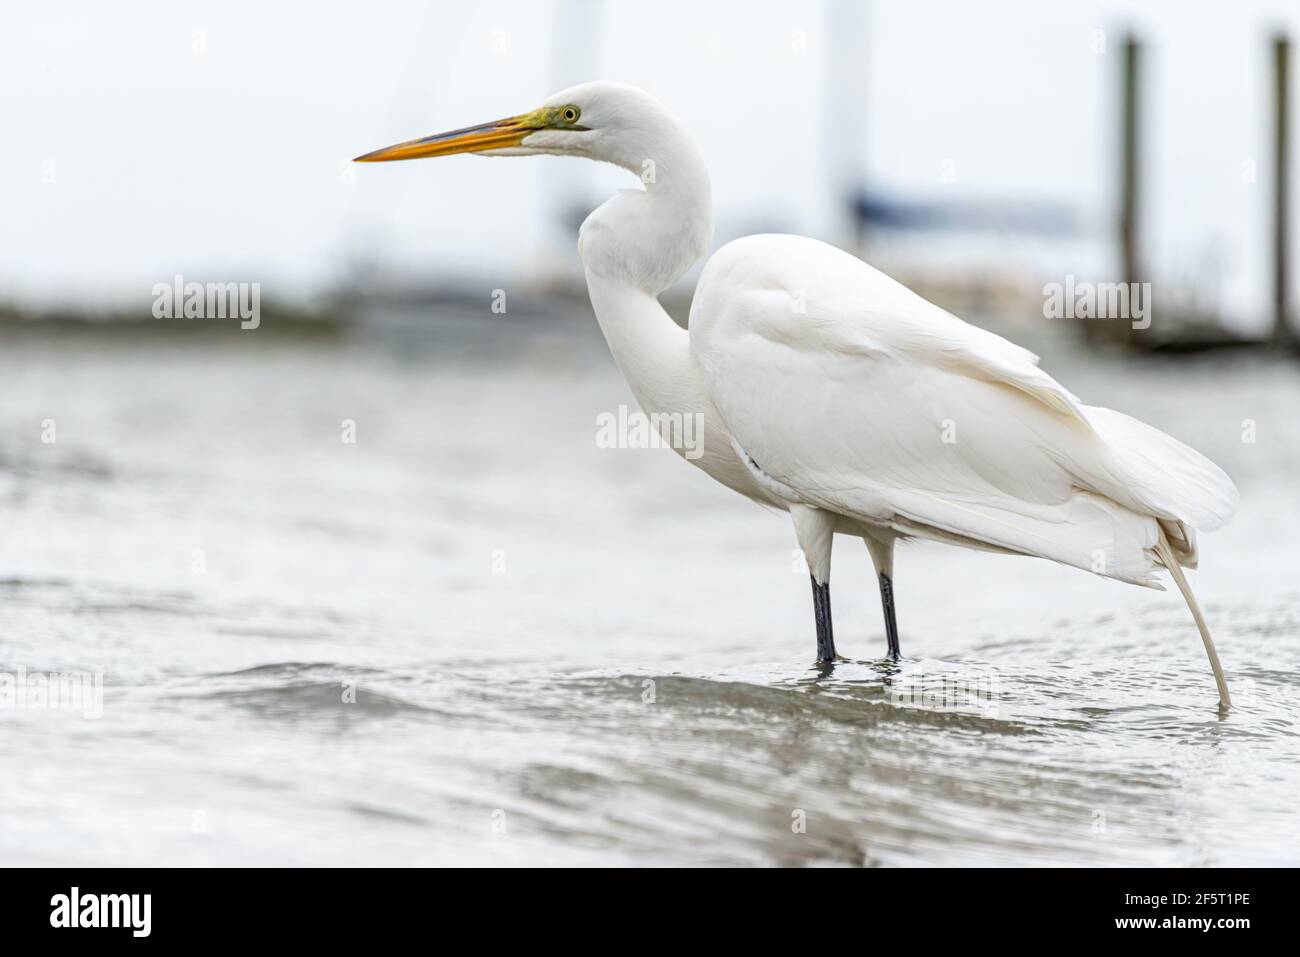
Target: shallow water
x,y
472,636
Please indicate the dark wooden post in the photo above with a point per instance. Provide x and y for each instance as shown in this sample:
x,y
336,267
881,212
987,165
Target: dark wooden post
x,y
1281,189
1130,167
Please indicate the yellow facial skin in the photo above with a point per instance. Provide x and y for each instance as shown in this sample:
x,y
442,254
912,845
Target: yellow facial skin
x,y
486,136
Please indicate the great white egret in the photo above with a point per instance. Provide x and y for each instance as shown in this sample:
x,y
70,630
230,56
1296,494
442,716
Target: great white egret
x,y
831,391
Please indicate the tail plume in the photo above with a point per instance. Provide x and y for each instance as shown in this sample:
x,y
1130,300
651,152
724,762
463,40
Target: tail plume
x,y
1153,473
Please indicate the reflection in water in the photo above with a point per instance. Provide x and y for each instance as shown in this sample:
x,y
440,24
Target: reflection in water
x,y
474,636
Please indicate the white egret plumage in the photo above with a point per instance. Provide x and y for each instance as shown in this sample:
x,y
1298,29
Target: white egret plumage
x,y
831,391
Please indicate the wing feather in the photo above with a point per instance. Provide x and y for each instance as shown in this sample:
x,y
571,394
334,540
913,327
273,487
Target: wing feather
x,y
852,393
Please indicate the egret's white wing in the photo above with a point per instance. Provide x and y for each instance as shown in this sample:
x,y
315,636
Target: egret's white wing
x,y
847,391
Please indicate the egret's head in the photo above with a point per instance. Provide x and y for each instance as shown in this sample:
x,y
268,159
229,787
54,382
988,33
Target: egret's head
x,y
600,120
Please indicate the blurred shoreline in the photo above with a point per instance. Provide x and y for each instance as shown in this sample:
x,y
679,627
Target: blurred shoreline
x,y
1007,306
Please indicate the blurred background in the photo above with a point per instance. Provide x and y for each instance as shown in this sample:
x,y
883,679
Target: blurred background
x,y
978,148
362,587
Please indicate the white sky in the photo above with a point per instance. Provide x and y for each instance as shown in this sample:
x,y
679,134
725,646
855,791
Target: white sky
x,y
212,138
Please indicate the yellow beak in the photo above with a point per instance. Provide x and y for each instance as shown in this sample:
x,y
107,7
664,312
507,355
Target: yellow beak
x,y
472,139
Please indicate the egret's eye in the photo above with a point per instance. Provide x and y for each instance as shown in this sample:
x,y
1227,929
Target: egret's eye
x,y
571,114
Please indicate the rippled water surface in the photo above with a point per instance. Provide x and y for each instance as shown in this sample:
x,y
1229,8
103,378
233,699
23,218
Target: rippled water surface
x,y
472,636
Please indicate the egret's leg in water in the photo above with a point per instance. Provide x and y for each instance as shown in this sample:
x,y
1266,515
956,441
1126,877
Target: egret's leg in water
x,y
815,531
891,624
822,612
882,556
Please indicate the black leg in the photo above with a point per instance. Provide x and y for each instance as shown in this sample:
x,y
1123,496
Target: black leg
x,y
891,624
822,611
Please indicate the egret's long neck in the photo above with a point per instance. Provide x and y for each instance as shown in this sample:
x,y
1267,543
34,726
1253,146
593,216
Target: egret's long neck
x,y
638,244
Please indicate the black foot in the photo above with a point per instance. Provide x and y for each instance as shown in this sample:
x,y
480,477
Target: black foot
x,y
891,623
822,612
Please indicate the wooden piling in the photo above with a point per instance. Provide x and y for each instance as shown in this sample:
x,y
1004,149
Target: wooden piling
x,y
1130,171
1281,189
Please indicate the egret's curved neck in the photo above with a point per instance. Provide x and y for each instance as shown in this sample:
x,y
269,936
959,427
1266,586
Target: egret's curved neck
x,y
638,244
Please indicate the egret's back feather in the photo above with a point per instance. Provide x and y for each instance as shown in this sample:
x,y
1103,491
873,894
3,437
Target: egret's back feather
x,y
854,394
